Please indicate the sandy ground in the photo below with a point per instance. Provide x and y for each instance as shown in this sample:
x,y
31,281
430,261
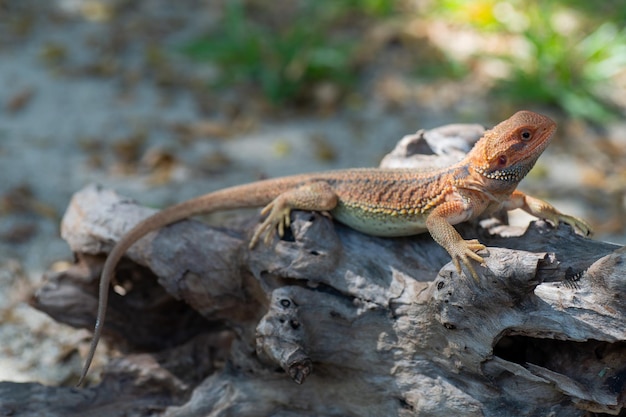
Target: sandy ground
x,y
64,125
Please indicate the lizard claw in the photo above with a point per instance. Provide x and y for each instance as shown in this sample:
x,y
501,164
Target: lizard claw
x,y
577,224
314,196
465,251
277,219
543,210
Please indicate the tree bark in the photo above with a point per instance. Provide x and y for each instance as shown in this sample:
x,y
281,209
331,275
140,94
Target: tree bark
x,y
331,322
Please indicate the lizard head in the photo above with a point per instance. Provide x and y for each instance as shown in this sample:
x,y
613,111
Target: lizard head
x,y
507,152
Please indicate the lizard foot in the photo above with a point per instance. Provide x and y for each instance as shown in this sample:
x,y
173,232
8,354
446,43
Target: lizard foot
x,y
465,251
577,224
543,210
314,196
277,219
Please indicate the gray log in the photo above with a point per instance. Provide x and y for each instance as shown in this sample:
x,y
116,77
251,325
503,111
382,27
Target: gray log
x,y
331,322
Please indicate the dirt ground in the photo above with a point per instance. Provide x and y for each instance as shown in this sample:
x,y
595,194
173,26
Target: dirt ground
x,y
80,103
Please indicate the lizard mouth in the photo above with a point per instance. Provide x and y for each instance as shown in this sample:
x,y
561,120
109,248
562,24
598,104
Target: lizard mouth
x,y
514,173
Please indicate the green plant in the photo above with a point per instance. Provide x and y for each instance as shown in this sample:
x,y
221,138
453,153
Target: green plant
x,y
570,70
563,53
285,61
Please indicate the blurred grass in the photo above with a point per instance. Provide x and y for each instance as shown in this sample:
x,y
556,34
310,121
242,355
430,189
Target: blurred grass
x,y
569,72
286,56
568,54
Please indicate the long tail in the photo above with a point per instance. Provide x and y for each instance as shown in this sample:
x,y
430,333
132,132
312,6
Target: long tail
x,y
249,195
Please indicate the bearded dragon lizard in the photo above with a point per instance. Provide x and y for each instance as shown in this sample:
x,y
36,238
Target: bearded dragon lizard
x,y
383,202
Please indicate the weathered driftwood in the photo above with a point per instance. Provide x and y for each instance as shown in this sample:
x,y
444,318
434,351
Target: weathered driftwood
x,y
331,322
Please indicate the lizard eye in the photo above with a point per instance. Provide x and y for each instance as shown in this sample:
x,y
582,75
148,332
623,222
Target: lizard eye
x,y
525,135
502,160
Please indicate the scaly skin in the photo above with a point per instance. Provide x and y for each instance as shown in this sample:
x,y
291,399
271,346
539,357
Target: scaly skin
x,y
384,202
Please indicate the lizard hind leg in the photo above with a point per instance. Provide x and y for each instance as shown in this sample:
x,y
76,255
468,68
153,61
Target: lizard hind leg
x,y
314,196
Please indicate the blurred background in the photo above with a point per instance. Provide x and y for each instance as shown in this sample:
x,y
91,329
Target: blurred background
x,y
164,100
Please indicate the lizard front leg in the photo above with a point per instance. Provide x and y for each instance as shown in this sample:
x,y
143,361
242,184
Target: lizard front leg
x,y
544,210
442,231
314,196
